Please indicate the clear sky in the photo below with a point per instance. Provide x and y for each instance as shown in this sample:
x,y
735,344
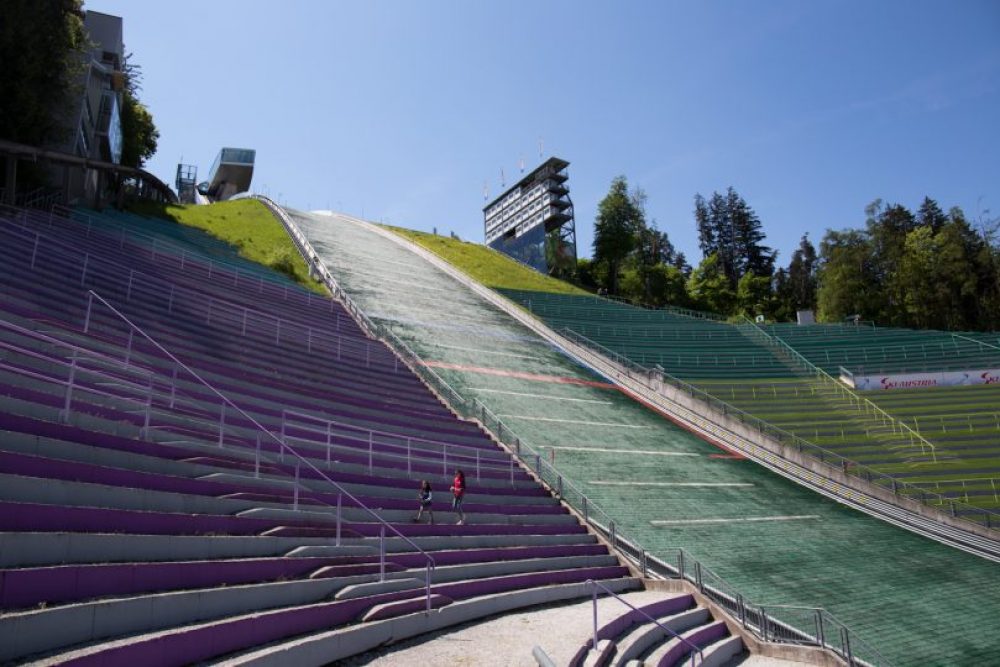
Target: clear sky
x,y
402,110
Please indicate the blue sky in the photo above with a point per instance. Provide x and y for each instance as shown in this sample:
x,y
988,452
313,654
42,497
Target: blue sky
x,y
402,110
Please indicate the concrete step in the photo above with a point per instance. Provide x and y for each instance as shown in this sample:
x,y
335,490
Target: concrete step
x,y
325,647
392,609
406,583
645,636
722,652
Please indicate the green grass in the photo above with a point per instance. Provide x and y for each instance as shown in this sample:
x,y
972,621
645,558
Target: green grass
x,y
248,226
486,265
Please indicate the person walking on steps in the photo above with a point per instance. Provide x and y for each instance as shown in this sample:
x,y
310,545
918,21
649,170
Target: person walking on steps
x,y
458,493
425,502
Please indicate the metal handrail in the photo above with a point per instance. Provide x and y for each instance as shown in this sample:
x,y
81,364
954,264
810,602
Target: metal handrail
x,y
515,443
822,374
976,340
228,307
915,491
385,524
695,650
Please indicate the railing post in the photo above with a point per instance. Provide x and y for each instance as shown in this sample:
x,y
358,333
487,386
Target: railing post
x,y
427,583
645,566
741,608
281,449
819,629
329,443
586,520
381,553
256,458
697,576
295,490
845,639
763,623
222,423
559,486
613,534
86,318
594,605
149,409
34,251
128,289
339,502
680,563
83,273
538,464
64,415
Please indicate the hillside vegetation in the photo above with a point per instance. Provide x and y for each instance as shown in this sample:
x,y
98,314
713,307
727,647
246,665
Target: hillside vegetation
x,y
248,226
488,266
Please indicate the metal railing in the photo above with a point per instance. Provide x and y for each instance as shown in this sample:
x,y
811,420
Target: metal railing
x,y
852,397
219,311
824,456
667,630
464,455
593,515
384,525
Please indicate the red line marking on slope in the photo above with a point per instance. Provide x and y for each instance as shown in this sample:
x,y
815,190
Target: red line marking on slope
x,y
555,379
729,453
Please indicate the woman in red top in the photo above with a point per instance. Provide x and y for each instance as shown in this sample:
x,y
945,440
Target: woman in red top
x,y
458,491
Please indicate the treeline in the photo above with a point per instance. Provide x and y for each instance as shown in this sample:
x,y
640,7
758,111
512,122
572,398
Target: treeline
x,y
926,270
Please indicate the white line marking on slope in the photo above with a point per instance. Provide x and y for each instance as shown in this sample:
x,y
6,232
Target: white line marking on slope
x,y
744,519
644,452
570,421
553,398
602,482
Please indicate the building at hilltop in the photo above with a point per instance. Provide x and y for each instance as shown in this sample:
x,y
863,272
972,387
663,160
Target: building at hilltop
x,y
533,222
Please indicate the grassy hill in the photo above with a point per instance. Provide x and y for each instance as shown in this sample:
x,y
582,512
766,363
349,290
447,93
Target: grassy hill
x,y
486,265
248,226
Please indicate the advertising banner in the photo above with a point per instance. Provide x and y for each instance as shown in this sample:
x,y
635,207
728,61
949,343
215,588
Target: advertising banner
x,y
917,380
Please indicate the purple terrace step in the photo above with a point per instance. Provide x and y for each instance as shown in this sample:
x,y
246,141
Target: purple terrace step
x,y
203,642
26,587
619,625
701,638
57,431
400,391
42,467
33,517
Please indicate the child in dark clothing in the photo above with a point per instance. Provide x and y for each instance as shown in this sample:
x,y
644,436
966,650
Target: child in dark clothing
x,y
425,502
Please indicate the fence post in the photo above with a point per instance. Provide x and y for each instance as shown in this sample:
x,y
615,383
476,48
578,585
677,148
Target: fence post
x,y
819,629
742,609
680,563
697,576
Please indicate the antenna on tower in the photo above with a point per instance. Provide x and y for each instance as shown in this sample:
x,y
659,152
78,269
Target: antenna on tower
x,y
541,147
486,191
522,164
503,181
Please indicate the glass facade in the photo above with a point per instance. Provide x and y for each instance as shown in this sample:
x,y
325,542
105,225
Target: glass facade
x,y
546,252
